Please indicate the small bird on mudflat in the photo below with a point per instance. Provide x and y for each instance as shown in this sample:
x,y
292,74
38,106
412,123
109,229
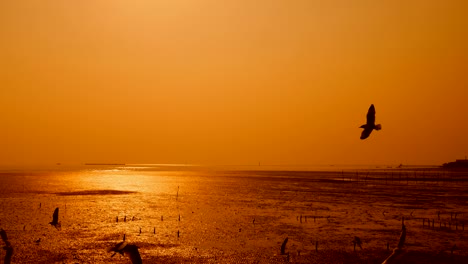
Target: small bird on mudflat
x,y
55,222
357,241
370,125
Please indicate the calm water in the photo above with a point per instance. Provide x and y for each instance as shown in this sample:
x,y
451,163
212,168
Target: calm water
x,y
197,214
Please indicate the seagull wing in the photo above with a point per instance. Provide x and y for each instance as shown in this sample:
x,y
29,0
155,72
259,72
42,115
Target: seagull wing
x,y
366,132
371,115
55,215
283,246
132,251
402,236
3,235
118,248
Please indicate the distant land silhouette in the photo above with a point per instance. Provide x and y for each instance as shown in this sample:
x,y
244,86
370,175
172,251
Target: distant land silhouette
x,y
104,164
457,164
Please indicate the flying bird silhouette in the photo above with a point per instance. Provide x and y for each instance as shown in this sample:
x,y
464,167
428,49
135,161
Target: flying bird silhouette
x,y
118,248
8,248
131,250
55,222
4,236
370,125
398,252
133,254
283,246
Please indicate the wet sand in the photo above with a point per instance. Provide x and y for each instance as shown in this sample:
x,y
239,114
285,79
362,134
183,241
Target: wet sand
x,y
238,216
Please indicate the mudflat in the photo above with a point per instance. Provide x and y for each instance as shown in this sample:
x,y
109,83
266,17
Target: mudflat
x,y
203,215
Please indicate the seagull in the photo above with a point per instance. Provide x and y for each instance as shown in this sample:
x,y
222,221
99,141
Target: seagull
x,y
8,248
357,241
370,125
131,250
398,252
283,246
3,235
55,221
118,248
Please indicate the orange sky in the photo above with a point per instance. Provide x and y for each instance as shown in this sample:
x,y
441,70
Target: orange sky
x,y
232,82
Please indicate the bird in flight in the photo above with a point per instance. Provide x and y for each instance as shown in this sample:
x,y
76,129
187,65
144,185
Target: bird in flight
x,y
129,249
370,125
3,235
283,246
55,222
132,252
8,248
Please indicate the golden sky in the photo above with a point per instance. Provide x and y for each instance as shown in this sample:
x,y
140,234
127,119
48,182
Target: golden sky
x,y
232,82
